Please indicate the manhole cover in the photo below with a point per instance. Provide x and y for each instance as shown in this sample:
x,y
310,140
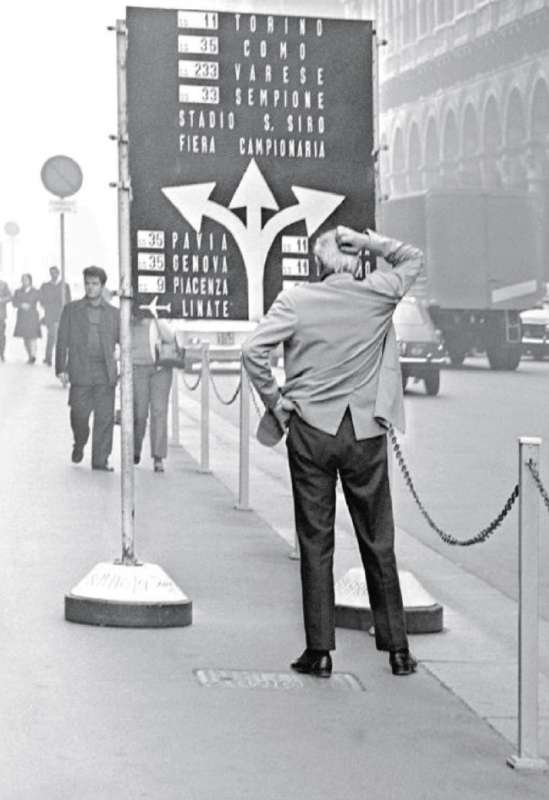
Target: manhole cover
x,y
248,679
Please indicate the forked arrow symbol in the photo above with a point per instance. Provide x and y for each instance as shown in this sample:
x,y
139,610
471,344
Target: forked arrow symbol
x,y
253,193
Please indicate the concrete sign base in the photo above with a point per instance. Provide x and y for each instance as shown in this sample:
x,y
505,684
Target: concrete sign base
x,y
124,596
525,763
352,604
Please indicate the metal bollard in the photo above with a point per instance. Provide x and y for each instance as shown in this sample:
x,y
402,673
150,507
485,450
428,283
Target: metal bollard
x,y
174,397
244,443
528,626
205,409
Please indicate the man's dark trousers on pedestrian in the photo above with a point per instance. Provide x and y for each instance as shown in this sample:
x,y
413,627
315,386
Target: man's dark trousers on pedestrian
x,y
98,397
89,330
316,458
52,301
51,328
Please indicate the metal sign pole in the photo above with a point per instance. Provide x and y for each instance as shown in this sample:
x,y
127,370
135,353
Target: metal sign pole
x,y
125,294
244,443
205,409
13,277
528,631
127,593
62,254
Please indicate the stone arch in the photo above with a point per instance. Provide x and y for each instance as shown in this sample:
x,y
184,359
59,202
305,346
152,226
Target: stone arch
x,y
398,163
515,120
539,112
538,125
450,149
384,166
415,162
470,140
515,133
431,158
492,139
537,161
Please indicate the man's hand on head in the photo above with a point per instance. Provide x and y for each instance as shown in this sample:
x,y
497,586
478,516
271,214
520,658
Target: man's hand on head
x,y
350,241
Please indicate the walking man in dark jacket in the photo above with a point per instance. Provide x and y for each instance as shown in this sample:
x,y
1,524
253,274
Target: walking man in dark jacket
x,y
89,330
52,301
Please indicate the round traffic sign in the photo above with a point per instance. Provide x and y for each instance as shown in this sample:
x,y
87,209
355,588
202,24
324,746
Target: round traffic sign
x,y
61,176
11,228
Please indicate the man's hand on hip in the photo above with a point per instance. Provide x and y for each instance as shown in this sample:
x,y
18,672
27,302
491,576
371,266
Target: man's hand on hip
x,y
283,411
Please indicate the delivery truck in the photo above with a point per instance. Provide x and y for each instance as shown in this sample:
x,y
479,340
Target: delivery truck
x,y
483,266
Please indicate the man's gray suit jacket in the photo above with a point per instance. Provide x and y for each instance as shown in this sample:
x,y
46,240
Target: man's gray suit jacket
x,y
340,347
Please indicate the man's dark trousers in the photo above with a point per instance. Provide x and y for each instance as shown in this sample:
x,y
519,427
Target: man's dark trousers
x,y
315,460
99,398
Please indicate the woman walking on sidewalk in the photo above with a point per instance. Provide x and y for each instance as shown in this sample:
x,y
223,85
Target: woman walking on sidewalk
x,y
151,386
27,326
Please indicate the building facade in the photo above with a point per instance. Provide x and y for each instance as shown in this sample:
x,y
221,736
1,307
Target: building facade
x,y
464,96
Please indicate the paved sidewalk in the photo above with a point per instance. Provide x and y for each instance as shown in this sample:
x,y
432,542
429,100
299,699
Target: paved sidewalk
x,y
112,713
475,656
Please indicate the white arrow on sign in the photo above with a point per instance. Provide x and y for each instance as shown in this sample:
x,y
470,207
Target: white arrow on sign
x,y
253,193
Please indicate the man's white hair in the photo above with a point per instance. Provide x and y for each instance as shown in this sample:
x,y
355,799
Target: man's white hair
x,y
330,257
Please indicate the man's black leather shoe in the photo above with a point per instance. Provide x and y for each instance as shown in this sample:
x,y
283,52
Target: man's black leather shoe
x,y
103,467
314,662
77,454
402,662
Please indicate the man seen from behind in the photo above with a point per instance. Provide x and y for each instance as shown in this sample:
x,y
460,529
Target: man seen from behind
x,y
342,391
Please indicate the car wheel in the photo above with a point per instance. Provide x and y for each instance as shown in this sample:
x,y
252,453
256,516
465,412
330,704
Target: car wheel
x,y
432,383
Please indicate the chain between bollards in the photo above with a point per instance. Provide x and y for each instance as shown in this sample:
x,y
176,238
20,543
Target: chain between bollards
x,y
232,398
478,538
537,480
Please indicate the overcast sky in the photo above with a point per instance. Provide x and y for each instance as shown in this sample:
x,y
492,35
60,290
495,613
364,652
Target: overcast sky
x,y
58,67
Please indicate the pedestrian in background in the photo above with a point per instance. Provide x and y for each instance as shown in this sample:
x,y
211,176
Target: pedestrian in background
x,y
89,330
27,325
5,297
151,385
343,389
52,301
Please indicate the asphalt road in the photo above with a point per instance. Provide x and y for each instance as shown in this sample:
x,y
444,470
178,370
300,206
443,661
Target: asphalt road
x,y
462,451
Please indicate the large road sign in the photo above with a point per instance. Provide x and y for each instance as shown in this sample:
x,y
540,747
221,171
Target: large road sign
x,y
248,134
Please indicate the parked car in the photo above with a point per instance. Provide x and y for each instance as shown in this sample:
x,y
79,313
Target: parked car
x,y
421,349
535,331
224,340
